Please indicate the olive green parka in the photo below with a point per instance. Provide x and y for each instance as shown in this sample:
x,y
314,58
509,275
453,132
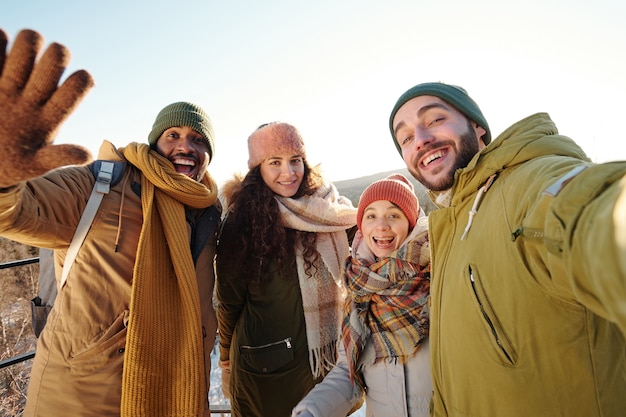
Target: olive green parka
x,y
528,311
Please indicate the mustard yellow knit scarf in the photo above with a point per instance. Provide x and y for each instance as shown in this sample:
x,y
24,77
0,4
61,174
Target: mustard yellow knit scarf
x,y
164,361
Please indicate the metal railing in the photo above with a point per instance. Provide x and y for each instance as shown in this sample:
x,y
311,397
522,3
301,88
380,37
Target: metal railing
x,y
24,356
22,262
215,408
17,359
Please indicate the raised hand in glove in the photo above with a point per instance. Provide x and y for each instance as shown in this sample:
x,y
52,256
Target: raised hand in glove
x,y
33,106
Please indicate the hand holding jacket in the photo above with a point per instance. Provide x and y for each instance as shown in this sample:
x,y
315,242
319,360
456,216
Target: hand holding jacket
x,y
33,106
225,367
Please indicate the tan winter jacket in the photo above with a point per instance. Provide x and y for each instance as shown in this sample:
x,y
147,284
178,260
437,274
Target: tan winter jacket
x,y
77,370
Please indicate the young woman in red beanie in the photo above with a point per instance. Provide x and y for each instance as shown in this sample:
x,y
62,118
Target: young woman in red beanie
x,y
280,261
384,353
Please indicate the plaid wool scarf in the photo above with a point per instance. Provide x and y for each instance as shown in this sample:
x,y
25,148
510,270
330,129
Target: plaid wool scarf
x,y
164,360
387,304
329,215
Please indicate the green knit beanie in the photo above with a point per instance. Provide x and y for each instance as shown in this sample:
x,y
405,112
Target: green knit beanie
x,y
452,94
183,114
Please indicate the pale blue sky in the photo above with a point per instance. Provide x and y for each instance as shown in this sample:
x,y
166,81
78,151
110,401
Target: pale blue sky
x,y
334,68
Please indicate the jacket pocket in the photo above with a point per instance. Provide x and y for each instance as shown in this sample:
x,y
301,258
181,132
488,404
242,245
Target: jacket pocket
x,y
499,341
39,315
106,352
267,358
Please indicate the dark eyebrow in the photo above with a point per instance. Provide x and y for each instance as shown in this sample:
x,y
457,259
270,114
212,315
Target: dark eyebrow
x,y
421,112
395,131
288,157
428,107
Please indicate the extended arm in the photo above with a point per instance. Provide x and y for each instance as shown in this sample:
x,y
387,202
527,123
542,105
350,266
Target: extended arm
x,y
335,396
586,229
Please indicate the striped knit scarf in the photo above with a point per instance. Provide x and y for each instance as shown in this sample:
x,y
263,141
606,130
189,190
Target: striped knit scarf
x,y
164,361
387,304
328,214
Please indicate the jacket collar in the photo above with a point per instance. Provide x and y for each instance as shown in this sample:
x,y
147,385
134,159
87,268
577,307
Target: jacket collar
x,y
529,138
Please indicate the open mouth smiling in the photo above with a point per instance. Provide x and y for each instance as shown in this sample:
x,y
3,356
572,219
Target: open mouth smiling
x,y
432,157
383,241
184,165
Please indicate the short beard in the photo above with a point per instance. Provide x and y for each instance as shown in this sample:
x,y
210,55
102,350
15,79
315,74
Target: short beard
x,y
468,147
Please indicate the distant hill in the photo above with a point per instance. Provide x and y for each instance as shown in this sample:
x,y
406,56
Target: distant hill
x,y
353,188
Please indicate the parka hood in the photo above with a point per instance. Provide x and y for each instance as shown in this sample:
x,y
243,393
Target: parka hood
x,y
109,152
532,137
229,189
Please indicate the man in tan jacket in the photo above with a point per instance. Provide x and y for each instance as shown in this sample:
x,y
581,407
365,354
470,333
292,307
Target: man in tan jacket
x,y
133,325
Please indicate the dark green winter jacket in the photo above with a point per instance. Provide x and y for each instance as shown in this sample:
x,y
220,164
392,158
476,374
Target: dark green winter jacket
x,y
262,332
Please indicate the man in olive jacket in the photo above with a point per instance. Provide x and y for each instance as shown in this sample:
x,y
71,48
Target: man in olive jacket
x,y
528,292
133,325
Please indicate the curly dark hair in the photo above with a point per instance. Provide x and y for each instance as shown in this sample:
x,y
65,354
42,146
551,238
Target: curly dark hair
x,y
254,213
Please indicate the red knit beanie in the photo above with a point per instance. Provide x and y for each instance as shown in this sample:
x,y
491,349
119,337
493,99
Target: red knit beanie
x,y
395,188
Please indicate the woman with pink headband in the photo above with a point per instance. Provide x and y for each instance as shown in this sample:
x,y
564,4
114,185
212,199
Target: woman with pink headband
x,y
280,262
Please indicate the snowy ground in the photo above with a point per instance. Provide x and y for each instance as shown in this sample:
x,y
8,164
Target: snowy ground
x,y
215,392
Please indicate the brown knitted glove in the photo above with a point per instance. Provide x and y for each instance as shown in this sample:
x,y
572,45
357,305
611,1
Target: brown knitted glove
x,y
33,106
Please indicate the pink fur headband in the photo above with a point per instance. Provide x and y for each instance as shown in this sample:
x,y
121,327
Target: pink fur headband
x,y
274,139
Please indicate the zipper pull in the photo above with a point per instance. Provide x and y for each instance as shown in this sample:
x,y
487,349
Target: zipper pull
x,y
288,343
479,197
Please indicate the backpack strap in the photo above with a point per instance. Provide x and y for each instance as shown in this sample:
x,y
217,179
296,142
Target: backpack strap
x,y
104,171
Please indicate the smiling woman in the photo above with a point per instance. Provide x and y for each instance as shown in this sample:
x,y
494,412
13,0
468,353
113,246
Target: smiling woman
x,y
279,289
387,213
279,152
385,325
283,174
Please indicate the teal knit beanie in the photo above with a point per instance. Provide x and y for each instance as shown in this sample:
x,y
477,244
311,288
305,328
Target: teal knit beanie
x,y
183,114
452,94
